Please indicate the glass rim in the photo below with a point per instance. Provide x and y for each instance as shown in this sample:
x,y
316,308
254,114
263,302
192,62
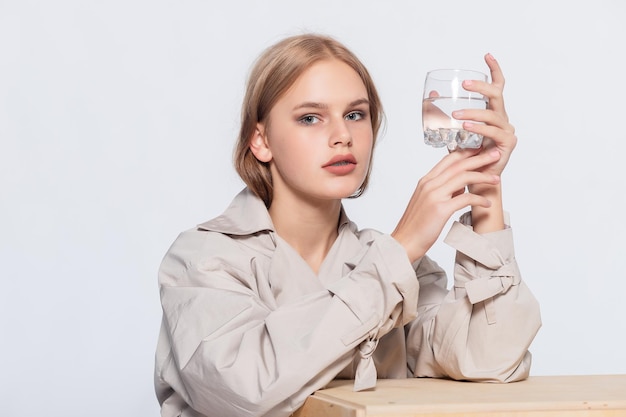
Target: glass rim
x,y
434,72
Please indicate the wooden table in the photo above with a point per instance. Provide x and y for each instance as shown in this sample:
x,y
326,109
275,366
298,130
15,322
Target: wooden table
x,y
550,396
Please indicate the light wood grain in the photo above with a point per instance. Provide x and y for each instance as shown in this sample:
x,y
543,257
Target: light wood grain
x,y
550,396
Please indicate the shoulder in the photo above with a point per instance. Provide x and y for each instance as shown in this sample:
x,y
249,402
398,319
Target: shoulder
x,y
226,243
197,253
191,245
194,243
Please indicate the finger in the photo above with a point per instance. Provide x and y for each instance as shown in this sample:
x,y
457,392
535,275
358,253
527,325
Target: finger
x,y
458,192
468,199
467,179
495,92
497,77
477,159
502,136
465,172
488,117
450,160
492,90
459,161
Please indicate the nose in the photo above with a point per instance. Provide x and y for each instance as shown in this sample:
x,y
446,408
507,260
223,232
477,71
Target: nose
x,y
340,134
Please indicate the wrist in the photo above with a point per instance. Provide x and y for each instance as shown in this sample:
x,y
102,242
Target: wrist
x,y
488,219
487,190
413,251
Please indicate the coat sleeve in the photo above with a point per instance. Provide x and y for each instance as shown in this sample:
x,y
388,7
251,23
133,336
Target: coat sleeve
x,y
481,329
225,351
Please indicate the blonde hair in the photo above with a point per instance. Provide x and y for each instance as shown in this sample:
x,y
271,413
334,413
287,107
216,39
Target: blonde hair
x,y
274,72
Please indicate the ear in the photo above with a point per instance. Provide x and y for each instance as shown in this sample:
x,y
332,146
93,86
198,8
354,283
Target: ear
x,y
259,145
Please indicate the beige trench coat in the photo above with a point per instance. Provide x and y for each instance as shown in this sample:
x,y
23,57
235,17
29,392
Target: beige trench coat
x,y
250,330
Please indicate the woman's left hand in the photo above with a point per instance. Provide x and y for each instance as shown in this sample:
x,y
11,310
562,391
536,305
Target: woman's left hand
x,y
497,131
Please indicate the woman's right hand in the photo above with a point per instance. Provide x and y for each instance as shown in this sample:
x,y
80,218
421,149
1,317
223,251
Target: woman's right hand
x,y
439,194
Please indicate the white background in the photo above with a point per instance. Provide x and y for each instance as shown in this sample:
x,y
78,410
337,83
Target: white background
x,y
117,120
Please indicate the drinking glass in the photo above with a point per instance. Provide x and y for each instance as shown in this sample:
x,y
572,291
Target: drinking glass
x,y
443,94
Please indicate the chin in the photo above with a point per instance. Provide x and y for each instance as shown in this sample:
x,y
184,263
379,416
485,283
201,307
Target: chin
x,y
337,190
345,193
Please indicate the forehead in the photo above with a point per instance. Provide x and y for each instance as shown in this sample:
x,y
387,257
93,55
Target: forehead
x,y
327,81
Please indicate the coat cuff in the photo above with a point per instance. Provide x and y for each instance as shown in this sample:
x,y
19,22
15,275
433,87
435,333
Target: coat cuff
x,y
485,264
490,249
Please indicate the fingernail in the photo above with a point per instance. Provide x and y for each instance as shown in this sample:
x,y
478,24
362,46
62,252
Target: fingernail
x,y
467,83
495,153
457,114
489,56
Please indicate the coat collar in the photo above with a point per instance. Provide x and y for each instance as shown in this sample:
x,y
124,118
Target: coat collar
x,y
248,215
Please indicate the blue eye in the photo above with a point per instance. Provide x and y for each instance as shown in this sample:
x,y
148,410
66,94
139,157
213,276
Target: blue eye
x,y
355,115
309,119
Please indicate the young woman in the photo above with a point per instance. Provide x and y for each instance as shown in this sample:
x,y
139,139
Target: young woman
x,y
282,293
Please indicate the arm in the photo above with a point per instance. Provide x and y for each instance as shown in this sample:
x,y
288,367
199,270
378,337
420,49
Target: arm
x,y
440,193
499,135
228,349
482,328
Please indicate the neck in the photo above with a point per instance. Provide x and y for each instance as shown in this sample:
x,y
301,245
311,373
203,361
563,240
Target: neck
x,y
310,228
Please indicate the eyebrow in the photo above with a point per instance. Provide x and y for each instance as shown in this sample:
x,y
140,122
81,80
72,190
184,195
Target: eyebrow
x,y
315,105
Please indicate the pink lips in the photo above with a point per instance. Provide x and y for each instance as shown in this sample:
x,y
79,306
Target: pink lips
x,y
341,164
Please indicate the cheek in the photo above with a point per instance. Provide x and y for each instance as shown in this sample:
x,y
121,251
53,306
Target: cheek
x,y
289,155
368,148
364,139
287,151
